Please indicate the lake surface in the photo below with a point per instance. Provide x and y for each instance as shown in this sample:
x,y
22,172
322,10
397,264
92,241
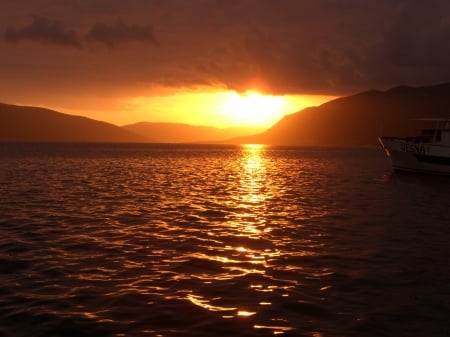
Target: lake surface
x,y
204,240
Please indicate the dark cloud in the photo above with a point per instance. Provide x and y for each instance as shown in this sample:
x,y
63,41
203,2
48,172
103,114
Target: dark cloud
x,y
50,31
119,33
43,30
334,46
420,37
283,46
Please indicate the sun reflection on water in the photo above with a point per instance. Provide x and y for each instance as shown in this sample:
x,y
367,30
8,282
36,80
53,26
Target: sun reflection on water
x,y
241,247
252,176
251,193
239,238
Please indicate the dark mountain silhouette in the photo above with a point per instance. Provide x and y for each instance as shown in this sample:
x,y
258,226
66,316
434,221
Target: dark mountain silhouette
x,y
358,120
348,121
22,123
184,133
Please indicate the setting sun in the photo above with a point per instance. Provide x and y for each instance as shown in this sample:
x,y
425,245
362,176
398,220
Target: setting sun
x,y
254,109
220,109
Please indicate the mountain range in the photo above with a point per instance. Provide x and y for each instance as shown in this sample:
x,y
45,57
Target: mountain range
x,y
185,133
23,123
359,119
354,120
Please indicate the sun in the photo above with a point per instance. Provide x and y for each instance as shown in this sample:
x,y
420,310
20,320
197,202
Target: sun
x,y
215,108
254,109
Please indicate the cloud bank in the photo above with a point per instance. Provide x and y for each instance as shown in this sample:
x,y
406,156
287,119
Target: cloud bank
x,y
120,33
49,31
43,30
282,47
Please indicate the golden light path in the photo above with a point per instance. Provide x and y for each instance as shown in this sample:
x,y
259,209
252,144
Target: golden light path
x,y
250,226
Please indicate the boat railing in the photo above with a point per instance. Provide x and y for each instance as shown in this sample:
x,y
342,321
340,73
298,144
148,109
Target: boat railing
x,y
419,139
431,135
424,139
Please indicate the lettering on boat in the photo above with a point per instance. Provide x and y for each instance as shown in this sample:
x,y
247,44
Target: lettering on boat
x,y
417,148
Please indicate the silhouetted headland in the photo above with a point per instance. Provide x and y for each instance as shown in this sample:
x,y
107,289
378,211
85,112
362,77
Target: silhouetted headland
x,y
185,133
23,123
26,123
358,120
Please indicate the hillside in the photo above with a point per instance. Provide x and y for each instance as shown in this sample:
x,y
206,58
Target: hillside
x,y
184,133
358,120
22,123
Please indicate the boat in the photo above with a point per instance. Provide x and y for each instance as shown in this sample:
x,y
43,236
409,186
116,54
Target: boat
x,y
426,152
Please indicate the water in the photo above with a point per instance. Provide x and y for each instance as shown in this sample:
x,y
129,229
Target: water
x,y
201,240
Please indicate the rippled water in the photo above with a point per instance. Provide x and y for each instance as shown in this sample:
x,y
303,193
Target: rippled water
x,y
201,240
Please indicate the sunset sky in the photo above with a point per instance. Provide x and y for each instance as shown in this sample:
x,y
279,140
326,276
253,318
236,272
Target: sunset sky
x,y
214,62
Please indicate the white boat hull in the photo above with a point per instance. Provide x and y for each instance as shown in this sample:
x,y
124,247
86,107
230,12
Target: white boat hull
x,y
414,156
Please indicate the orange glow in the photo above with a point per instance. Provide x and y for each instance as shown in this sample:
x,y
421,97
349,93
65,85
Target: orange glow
x,y
206,107
221,109
254,109
277,330
205,304
245,313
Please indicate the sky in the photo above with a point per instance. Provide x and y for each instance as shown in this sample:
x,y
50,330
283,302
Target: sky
x,y
194,61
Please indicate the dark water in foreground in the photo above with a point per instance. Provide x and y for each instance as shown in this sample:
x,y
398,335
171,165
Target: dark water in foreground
x,y
184,240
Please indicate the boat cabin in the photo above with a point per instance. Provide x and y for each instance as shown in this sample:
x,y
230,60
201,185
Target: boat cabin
x,y
438,133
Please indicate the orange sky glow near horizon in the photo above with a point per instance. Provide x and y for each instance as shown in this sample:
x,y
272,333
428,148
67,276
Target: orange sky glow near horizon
x,y
221,109
213,63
